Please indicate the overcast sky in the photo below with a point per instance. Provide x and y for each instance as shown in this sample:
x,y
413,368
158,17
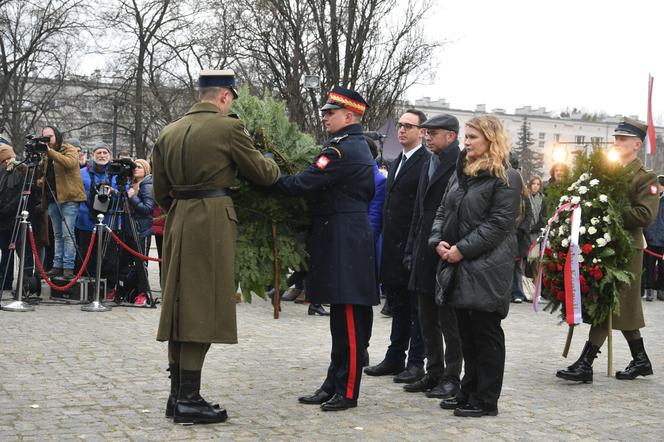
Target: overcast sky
x,y
588,54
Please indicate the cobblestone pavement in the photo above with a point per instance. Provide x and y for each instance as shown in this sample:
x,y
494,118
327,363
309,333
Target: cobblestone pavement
x,y
72,375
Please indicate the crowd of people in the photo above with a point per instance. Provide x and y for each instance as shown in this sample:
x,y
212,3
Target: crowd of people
x,y
64,192
446,236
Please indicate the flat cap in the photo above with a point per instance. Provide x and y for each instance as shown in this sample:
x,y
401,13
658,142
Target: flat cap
x,y
341,97
442,121
629,127
74,142
217,78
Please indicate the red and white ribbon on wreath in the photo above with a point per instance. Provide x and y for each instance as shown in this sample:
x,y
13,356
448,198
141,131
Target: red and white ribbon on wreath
x,y
571,271
543,241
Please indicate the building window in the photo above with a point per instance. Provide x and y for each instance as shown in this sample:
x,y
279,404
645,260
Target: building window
x,y
542,135
580,139
595,141
556,138
541,143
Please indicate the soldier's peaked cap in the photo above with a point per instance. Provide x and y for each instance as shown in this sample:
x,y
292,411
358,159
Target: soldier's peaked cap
x,y
217,78
442,121
341,97
629,127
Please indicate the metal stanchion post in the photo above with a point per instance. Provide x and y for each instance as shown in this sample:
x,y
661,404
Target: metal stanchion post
x,y
96,305
19,305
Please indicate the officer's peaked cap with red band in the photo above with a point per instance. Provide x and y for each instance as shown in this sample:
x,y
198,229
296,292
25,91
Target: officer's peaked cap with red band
x,y
341,97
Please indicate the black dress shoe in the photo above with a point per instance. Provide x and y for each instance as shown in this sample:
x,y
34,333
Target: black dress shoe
x,y
386,310
317,309
445,389
451,403
338,403
469,410
424,384
384,368
365,358
320,396
409,375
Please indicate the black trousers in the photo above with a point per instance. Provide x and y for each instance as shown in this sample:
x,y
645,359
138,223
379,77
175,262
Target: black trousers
x,y
483,343
126,259
109,260
350,326
653,269
441,338
406,335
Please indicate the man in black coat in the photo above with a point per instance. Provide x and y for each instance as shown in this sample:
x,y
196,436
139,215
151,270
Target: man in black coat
x,y
444,358
401,189
338,187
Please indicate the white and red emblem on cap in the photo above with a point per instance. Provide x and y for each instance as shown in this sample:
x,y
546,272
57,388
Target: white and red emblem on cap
x,y
653,189
322,162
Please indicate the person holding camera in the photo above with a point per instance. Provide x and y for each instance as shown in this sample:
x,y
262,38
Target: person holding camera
x,y
62,191
141,204
99,187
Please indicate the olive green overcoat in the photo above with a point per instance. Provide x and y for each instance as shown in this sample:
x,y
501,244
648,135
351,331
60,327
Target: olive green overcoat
x,y
202,151
644,203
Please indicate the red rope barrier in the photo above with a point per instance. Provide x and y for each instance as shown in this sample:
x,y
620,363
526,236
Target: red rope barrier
x,y
43,273
656,255
129,249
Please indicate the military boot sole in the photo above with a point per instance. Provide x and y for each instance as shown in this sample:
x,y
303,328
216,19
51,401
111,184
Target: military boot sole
x,y
575,377
191,420
630,377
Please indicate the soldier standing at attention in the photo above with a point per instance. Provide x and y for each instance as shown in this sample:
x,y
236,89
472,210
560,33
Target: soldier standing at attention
x,y
644,199
342,270
195,160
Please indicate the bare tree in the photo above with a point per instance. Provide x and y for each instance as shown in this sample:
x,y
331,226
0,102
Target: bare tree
x,y
374,46
37,40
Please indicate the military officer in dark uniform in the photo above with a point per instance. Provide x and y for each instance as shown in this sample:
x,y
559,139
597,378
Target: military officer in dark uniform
x,y
342,269
644,199
195,160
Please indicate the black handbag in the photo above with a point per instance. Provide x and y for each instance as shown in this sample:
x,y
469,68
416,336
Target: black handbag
x,y
445,282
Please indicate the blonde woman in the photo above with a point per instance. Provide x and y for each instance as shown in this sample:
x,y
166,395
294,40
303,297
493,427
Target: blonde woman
x,y
141,203
474,231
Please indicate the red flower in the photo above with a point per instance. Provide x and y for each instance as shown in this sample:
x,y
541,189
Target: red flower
x,y
560,295
546,281
584,288
562,256
559,267
552,267
586,248
547,252
596,273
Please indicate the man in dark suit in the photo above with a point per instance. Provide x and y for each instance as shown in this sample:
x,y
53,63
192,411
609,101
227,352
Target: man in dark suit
x,y
443,361
402,181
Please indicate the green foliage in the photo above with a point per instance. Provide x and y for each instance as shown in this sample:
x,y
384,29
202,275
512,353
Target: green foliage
x,y
600,187
258,209
530,160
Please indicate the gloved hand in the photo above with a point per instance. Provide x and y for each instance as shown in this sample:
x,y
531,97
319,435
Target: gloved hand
x,y
408,262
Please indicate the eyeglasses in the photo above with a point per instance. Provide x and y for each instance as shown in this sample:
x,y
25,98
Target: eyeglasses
x,y
433,132
406,126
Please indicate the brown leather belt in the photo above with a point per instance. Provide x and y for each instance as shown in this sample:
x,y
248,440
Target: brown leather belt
x,y
199,194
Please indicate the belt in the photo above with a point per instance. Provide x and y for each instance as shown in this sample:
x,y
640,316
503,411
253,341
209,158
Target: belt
x,y
199,194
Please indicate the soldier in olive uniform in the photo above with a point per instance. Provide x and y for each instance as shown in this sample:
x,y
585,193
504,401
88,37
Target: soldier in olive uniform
x,y
342,270
195,160
643,195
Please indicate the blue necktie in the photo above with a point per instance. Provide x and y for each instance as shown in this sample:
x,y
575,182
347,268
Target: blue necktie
x,y
433,165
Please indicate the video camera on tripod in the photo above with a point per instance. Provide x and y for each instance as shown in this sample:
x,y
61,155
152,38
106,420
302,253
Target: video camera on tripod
x,y
122,169
35,147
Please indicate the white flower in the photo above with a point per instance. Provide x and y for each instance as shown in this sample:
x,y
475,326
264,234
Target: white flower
x,y
576,200
581,259
592,230
561,230
607,236
583,177
601,242
582,230
564,199
564,242
583,189
594,182
603,198
594,260
588,204
594,221
606,219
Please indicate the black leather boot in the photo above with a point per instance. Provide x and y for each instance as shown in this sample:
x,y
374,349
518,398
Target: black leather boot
x,y
317,309
190,407
582,369
174,370
640,364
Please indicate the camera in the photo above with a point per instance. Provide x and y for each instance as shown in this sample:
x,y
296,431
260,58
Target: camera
x,y
123,168
36,144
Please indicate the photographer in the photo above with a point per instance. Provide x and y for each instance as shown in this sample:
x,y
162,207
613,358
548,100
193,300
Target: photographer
x,y
99,188
62,192
141,204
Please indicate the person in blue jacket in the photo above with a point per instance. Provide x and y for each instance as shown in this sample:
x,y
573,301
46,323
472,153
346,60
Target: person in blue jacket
x,y
653,275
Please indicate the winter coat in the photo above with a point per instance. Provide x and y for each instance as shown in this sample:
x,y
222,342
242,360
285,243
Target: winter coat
x,y
654,233
68,181
203,150
479,215
399,204
377,203
525,222
158,220
339,186
11,185
429,194
141,205
85,221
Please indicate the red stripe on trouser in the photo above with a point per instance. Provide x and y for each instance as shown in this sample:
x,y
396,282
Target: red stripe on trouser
x,y
352,368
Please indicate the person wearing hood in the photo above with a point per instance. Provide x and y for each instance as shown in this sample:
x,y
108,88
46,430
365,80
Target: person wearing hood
x,y
62,191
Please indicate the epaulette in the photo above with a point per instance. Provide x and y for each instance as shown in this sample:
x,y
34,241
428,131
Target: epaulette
x,y
336,140
234,116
